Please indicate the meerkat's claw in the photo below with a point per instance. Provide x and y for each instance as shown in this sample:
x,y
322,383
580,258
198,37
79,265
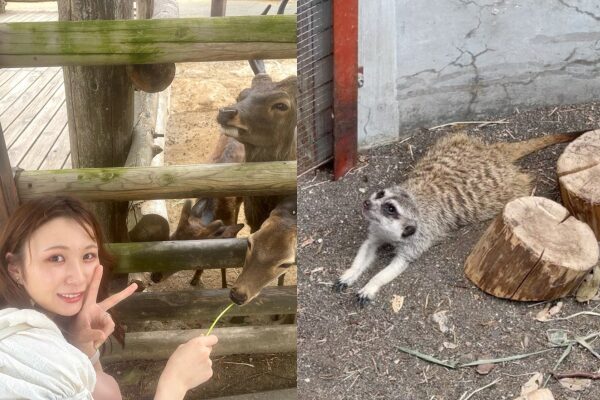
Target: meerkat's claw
x,y
339,286
362,300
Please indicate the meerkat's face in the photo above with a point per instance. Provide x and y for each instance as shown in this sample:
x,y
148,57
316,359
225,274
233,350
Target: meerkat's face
x,y
393,211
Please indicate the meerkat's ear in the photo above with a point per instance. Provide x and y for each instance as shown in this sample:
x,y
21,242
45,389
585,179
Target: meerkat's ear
x,y
409,230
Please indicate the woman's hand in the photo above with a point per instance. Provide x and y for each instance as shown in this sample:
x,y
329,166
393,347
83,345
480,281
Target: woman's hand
x,y
189,366
93,324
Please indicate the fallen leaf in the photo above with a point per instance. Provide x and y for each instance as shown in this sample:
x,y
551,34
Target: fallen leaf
x,y
441,319
484,369
575,384
532,384
539,394
548,312
557,337
306,242
590,285
449,345
397,303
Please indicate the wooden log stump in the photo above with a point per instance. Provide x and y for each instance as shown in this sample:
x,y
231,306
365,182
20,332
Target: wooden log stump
x,y
578,171
535,250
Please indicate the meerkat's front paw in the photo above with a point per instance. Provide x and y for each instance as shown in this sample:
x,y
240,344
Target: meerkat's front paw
x,y
365,296
339,286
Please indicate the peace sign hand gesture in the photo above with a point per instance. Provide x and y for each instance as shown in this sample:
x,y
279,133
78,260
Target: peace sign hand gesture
x,y
93,324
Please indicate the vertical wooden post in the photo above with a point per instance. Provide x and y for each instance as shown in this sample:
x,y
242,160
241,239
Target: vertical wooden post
x,y
217,8
345,87
100,109
9,200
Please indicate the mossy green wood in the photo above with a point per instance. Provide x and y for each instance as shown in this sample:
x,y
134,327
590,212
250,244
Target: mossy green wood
x,y
99,42
178,255
202,304
167,182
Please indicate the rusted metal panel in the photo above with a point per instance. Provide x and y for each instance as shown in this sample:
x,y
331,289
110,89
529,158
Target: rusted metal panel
x,y
345,87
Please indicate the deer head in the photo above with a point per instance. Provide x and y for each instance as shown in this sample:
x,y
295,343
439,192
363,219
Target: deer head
x,y
271,251
264,119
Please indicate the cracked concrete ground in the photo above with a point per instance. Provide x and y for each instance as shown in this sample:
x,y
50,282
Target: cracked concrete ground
x,y
349,353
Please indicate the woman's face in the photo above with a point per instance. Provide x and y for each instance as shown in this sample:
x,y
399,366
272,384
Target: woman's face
x,y
59,262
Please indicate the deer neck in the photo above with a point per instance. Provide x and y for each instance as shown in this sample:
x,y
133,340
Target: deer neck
x,y
283,151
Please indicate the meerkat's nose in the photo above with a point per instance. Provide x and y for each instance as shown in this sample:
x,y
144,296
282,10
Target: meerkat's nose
x,y
367,204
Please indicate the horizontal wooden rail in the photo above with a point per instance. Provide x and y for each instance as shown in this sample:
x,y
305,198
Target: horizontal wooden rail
x,y
159,345
178,255
28,44
281,394
168,182
203,304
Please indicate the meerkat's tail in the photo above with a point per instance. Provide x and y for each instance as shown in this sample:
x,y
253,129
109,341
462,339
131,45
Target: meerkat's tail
x,y
517,150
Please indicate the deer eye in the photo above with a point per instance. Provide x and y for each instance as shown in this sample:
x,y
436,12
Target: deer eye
x,y
280,106
287,265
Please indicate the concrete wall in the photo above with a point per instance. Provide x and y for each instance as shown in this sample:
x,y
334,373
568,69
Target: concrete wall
x,y
438,61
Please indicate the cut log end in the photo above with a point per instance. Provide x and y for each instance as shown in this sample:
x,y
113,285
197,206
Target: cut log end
x,y
151,78
578,169
534,251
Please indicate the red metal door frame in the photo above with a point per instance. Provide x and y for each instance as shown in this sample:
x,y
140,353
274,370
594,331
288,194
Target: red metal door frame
x,y
345,86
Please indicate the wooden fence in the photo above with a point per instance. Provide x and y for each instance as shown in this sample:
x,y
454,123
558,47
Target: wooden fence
x,y
147,42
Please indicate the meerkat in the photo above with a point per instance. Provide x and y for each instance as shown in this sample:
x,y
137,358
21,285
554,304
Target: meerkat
x,y
461,180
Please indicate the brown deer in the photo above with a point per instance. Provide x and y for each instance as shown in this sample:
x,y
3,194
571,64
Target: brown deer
x,y
271,252
264,121
191,227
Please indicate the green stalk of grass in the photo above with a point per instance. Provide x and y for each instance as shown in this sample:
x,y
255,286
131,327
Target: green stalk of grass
x,y
218,318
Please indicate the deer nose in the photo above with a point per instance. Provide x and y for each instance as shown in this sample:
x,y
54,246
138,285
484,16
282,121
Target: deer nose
x,y
367,204
226,114
237,297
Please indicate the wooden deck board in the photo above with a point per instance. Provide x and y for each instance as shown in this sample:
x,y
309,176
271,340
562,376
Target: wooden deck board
x,y
14,129
36,128
17,92
6,74
59,155
48,136
25,97
12,82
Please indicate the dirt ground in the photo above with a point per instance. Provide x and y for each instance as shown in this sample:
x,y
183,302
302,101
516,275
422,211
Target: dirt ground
x,y
345,352
198,91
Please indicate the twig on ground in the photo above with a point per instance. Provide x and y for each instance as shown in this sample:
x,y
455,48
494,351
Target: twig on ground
x,y
502,121
574,315
503,359
576,374
447,364
463,397
313,185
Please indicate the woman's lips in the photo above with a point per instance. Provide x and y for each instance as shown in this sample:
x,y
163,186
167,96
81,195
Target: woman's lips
x,y
71,297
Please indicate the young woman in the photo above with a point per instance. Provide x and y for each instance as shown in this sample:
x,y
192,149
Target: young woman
x,y
51,324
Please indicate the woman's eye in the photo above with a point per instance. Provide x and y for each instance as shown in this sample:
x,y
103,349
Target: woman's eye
x,y
90,257
57,259
280,106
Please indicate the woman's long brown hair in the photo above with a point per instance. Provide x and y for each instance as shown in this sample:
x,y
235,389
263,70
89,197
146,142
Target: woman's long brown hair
x,y
19,228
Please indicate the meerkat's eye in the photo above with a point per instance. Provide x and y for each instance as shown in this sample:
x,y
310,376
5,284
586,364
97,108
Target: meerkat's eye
x,y
280,106
390,209
409,231
380,194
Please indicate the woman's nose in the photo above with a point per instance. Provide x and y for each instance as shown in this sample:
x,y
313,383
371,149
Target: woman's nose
x,y
75,272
